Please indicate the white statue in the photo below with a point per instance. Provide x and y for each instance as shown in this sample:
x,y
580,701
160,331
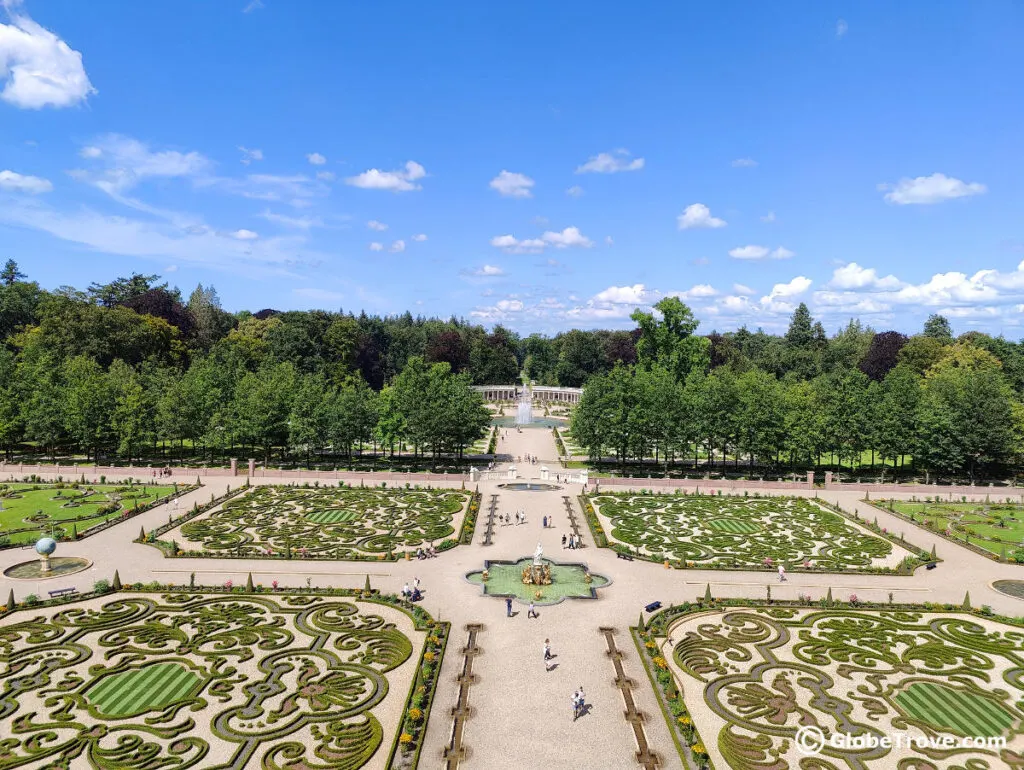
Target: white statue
x,y
537,555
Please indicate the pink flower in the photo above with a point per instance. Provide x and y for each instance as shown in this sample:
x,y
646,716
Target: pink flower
x,y
228,584
274,584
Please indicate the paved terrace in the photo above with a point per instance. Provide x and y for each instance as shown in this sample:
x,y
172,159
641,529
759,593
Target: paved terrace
x,y
517,708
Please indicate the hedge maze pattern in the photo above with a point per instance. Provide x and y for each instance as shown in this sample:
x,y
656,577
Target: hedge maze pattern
x,y
739,532
765,673
150,682
327,523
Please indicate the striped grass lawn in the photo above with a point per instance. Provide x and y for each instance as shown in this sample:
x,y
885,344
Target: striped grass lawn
x,y
142,689
734,526
962,712
333,516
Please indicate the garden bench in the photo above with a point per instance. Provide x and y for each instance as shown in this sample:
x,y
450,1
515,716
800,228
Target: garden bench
x,y
622,555
62,592
652,607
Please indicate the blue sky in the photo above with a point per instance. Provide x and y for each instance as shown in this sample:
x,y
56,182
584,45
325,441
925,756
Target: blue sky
x,y
546,166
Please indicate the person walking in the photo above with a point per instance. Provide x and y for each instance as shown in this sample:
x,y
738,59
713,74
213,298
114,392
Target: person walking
x,y
508,607
544,522
547,654
532,611
782,574
563,540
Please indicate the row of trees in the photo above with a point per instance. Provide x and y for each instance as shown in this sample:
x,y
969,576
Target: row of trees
x,y
958,415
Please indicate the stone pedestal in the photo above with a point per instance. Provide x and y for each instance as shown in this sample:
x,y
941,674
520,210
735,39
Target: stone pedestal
x,y
234,466
828,479
474,474
252,467
810,479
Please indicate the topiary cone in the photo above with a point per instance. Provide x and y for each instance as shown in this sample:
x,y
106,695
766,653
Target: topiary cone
x,y
967,601
116,584
366,586
828,596
142,534
248,584
933,551
10,601
640,624
707,594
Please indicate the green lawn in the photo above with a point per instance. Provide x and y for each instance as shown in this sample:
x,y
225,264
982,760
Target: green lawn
x,y
32,510
996,527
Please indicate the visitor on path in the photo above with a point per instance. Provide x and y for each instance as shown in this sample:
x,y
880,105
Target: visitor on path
x,y
508,607
405,591
547,654
564,538
416,582
544,522
578,700
532,612
782,574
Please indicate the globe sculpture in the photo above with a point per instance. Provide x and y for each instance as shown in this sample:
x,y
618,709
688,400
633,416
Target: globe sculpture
x,y
45,546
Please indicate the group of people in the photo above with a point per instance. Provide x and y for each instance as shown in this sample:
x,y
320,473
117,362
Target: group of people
x,y
412,594
572,541
528,459
579,702
507,520
426,553
165,471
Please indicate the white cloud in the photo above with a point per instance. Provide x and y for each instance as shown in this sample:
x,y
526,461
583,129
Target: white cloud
x,y
9,180
252,6
570,236
929,189
398,246
636,294
769,217
38,69
744,163
699,291
127,161
798,285
841,28
575,191
609,240
760,252
853,276
512,185
749,252
326,176
954,288
611,163
509,305
373,224
420,237
376,246
248,156
316,159
698,215
298,223
245,235
740,288
402,180
488,271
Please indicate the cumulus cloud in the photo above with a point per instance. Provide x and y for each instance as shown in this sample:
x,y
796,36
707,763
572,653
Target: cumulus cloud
x,y
575,191
375,246
10,180
398,246
373,224
611,163
853,276
420,237
512,185
37,68
509,305
316,159
244,235
698,215
798,285
401,180
488,271
744,163
926,190
569,237
760,252
742,289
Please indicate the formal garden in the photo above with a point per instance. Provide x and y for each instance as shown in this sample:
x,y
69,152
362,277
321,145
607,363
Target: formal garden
x,y
994,527
319,522
724,532
65,511
737,683
332,680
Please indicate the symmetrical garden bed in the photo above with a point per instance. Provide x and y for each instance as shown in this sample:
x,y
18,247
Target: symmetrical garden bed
x,y
741,532
329,523
29,511
202,680
747,679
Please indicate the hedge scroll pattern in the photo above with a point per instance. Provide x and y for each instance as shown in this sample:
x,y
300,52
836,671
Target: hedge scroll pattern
x,y
765,673
327,523
739,532
143,682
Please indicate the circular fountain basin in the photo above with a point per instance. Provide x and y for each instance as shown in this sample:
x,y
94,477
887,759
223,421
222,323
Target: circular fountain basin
x,y
529,486
60,566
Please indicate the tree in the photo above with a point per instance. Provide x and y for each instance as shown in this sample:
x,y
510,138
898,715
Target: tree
x,y
120,290
669,340
760,417
898,413
88,401
921,353
493,358
937,328
882,354
11,274
130,416
262,403
579,358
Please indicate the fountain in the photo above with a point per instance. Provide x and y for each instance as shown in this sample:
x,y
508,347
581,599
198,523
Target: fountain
x,y
538,573
537,579
48,565
524,412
